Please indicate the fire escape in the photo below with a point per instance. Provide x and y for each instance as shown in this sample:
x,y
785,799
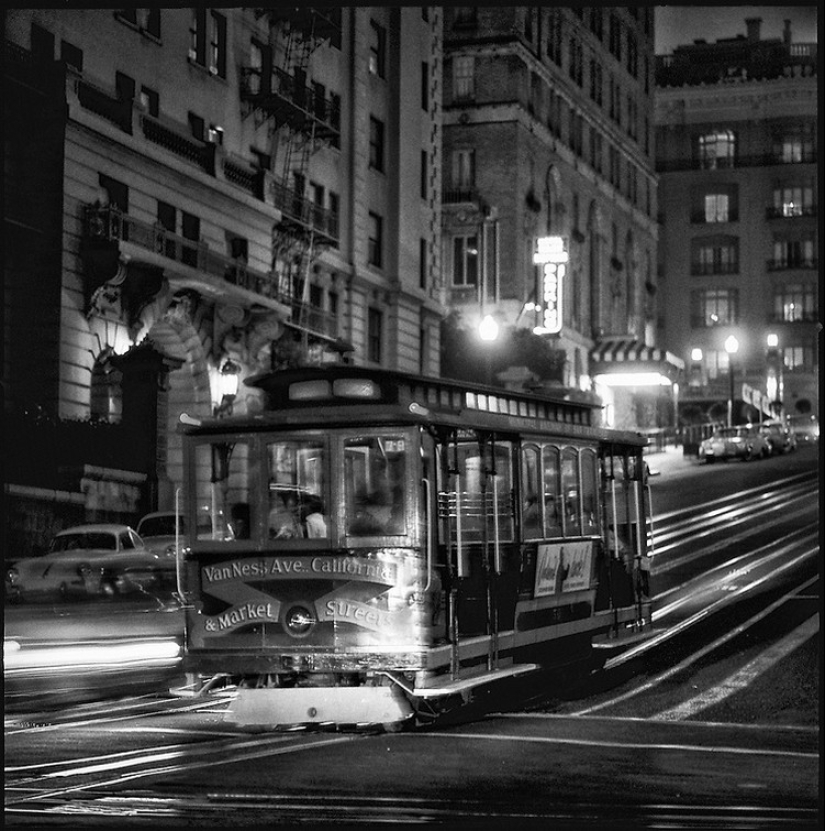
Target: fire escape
x,y
275,91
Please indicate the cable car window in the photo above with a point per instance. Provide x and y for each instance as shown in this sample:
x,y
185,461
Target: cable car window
x,y
570,491
531,493
552,491
590,512
222,486
297,490
374,474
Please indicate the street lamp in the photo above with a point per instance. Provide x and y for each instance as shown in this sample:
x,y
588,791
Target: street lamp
x,y
488,332
227,387
773,382
731,347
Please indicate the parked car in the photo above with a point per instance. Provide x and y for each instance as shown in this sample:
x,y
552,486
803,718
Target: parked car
x,y
805,428
780,438
744,441
87,561
157,530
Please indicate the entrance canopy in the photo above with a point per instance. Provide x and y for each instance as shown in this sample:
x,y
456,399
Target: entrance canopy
x,y
626,362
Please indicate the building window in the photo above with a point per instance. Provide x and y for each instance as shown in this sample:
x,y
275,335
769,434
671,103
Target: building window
x,y
376,159
378,49
463,78
793,201
465,261
422,263
197,126
375,325
423,184
717,256
464,168
714,307
375,240
597,21
124,87
168,221
150,101
190,230
425,86
793,253
596,83
334,202
716,150
207,41
796,147
801,357
71,55
465,16
632,117
577,133
716,208
576,59
596,151
151,22
554,36
615,36
794,302
632,55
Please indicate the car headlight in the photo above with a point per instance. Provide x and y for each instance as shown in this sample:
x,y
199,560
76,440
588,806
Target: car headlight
x,y
12,576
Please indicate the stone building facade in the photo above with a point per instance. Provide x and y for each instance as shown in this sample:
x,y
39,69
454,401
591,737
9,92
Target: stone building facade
x,y
196,195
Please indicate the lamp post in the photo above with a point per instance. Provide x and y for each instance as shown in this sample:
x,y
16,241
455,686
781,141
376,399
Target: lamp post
x,y
227,387
488,332
731,347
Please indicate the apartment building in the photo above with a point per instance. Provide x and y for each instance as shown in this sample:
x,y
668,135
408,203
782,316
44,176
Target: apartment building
x,y
548,132
197,195
739,247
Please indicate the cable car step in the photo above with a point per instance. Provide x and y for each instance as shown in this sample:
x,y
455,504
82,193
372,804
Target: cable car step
x,y
458,685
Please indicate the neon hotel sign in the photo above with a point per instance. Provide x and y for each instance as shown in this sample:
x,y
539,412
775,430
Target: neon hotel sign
x,y
552,254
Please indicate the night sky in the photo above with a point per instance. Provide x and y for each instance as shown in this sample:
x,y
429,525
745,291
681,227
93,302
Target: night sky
x,y
679,25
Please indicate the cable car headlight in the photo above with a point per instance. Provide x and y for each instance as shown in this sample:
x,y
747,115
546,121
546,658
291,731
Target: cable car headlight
x,y
299,620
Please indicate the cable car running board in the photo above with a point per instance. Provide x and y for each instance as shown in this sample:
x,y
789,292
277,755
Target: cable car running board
x,y
450,686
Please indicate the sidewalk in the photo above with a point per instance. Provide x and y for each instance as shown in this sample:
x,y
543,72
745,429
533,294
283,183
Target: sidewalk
x,y
670,460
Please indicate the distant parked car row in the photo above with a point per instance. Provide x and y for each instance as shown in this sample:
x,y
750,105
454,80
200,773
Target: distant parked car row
x,y
749,441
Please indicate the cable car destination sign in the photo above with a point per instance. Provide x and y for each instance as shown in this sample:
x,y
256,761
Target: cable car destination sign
x,y
552,254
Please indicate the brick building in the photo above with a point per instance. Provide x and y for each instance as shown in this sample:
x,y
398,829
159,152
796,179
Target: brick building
x,y
736,144
548,130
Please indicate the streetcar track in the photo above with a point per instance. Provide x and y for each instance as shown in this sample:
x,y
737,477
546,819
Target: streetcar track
x,y
243,751
730,519
694,656
742,677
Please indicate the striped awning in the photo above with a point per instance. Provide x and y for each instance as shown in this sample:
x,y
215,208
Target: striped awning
x,y
622,355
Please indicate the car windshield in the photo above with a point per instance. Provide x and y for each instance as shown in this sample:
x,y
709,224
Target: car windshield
x,y
84,540
160,526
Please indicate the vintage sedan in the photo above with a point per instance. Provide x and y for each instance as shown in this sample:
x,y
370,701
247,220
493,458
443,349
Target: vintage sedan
x,y
744,441
87,561
780,438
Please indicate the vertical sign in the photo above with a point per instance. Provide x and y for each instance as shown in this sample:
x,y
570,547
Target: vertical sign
x,y
552,255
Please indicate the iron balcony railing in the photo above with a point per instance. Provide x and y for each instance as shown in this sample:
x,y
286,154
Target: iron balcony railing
x,y
304,215
111,224
282,96
791,263
705,269
790,212
741,161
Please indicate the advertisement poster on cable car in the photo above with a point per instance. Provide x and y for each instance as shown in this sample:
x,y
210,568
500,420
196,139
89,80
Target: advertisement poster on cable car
x,y
563,567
